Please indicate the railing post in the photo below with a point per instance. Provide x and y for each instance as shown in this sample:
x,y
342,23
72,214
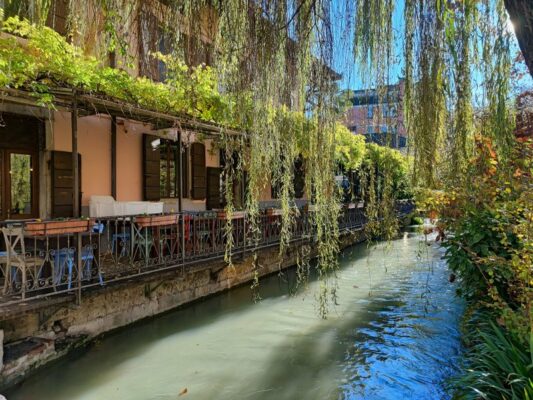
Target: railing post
x,y
182,216
244,236
80,266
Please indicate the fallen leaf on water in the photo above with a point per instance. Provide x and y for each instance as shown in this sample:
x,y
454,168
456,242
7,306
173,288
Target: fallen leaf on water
x,y
184,391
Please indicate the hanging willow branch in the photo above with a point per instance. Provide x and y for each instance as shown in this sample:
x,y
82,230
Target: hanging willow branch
x,y
271,61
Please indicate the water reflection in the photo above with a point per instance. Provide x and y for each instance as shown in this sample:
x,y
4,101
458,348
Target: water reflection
x,y
394,334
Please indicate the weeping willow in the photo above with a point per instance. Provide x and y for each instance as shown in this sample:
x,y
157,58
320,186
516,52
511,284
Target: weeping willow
x,y
462,127
271,61
498,122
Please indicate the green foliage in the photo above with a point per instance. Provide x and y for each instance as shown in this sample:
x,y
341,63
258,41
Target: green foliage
x,y
491,247
480,251
349,148
497,365
43,60
417,221
491,250
392,164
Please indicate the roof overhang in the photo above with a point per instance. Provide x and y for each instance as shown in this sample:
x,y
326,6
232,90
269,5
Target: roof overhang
x,y
91,104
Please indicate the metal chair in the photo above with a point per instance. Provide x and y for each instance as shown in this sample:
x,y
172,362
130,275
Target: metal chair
x,y
30,266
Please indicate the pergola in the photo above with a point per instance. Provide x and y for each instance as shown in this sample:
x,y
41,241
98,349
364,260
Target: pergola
x,y
81,104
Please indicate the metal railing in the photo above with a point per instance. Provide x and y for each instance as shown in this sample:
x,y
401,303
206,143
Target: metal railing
x,y
67,256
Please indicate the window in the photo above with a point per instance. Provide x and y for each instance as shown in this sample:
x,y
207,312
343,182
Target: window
x,y
57,16
370,112
403,141
152,38
168,176
298,181
162,169
369,129
196,51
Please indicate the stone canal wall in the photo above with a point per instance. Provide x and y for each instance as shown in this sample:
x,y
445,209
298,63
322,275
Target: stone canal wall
x,y
52,329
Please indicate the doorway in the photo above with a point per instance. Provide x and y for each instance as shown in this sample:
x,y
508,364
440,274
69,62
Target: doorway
x,y
19,197
20,139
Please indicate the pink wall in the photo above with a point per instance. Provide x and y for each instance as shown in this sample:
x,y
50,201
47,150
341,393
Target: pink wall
x,y
94,145
129,162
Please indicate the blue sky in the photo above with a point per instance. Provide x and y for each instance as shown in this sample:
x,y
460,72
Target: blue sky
x,y
343,61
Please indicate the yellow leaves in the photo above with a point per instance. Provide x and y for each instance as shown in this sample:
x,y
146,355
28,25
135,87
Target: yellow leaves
x,y
349,148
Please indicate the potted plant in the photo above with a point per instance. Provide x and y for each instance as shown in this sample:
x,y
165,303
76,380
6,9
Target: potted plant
x,y
273,212
234,214
57,227
156,220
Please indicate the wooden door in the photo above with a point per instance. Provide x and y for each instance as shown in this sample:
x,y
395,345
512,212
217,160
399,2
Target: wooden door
x,y
62,181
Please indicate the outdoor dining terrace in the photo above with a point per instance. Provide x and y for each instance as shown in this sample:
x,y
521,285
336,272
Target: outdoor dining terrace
x,y
41,259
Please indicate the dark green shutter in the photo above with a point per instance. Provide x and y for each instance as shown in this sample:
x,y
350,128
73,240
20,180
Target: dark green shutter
x,y
62,179
213,188
151,169
198,171
299,178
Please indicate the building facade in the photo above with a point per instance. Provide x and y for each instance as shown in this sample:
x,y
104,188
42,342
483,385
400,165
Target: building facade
x,y
378,115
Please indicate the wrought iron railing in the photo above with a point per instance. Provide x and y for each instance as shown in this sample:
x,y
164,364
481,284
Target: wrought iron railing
x,y
41,259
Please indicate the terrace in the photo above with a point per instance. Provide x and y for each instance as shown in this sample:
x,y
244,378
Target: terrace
x,y
45,259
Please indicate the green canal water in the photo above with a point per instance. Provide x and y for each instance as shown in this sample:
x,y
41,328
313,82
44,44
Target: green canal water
x,y
393,335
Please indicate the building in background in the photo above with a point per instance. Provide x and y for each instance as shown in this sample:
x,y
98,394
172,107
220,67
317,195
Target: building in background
x,y
378,116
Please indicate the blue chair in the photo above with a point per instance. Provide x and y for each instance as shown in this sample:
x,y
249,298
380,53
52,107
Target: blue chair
x,y
87,257
124,238
98,227
65,258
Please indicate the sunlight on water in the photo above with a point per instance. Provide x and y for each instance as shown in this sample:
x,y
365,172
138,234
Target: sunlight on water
x,y
394,334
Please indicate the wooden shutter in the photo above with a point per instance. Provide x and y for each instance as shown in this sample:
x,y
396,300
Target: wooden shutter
x,y
213,188
62,180
299,179
151,169
57,16
185,173
198,171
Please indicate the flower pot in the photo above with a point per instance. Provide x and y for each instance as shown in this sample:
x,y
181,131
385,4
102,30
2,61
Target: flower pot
x,y
156,220
274,212
42,228
234,215
310,208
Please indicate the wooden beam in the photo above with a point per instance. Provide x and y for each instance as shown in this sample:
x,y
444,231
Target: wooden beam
x,y
75,166
114,157
180,179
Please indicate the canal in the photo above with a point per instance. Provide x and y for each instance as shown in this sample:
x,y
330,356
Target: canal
x,y
393,334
